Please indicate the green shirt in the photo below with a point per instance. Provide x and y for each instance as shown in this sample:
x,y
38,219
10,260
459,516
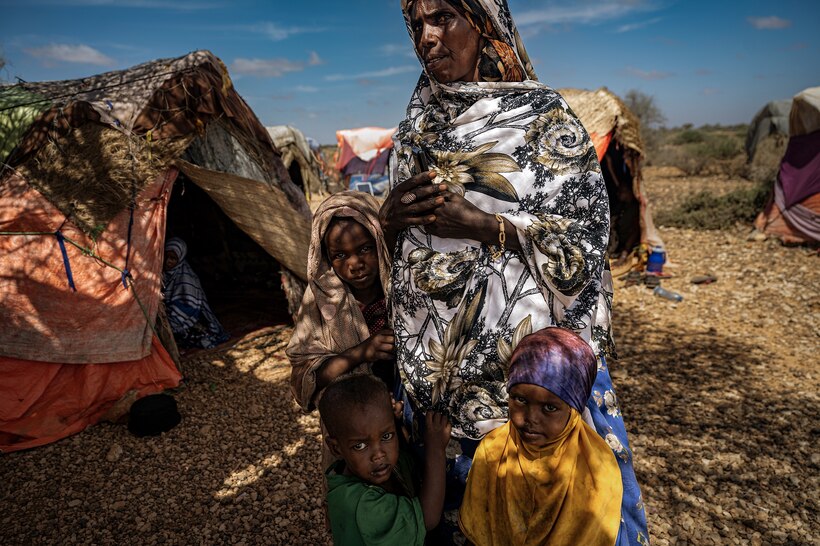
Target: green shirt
x,y
362,514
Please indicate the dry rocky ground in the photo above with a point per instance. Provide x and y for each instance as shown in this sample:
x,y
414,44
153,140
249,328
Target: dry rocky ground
x,y
719,392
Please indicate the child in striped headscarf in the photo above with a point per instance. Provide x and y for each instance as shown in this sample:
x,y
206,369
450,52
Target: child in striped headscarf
x,y
190,316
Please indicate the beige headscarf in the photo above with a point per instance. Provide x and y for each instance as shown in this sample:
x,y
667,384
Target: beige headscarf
x,y
330,320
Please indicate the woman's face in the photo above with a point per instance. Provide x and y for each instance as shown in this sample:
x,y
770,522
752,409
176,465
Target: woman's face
x,y
446,42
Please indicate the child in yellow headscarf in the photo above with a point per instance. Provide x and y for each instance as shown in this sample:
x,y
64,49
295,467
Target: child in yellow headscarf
x,y
545,477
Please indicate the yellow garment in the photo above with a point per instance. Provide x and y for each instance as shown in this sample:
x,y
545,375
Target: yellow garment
x,y
567,493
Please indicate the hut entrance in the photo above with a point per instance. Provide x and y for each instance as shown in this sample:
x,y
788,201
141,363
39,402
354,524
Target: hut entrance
x,y
624,207
295,172
241,280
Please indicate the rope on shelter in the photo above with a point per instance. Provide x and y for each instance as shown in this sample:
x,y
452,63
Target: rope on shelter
x,y
66,263
90,253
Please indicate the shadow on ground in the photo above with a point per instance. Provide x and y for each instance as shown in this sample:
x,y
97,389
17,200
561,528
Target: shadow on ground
x,y
724,441
241,468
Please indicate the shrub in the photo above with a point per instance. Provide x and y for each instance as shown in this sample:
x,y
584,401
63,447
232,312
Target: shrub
x,y
704,210
719,147
700,151
689,136
766,162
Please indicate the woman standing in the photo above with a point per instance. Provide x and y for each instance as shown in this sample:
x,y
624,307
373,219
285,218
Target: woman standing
x,y
500,218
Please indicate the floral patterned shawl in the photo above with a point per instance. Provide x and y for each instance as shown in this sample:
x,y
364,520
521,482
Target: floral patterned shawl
x,y
513,148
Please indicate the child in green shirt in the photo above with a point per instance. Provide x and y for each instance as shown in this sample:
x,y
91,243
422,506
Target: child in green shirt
x,y
373,496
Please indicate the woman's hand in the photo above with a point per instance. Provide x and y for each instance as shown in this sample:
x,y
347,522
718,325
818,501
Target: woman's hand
x,y
411,203
458,218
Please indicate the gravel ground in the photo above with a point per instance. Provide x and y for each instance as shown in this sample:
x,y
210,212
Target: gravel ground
x,y
718,391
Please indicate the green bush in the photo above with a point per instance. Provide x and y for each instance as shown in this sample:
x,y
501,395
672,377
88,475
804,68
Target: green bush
x,y
700,151
689,136
718,147
704,210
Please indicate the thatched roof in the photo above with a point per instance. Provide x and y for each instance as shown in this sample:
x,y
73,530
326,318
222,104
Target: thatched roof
x,y
90,144
602,112
293,145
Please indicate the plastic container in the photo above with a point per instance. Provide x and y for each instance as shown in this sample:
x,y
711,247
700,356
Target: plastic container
x,y
656,259
668,294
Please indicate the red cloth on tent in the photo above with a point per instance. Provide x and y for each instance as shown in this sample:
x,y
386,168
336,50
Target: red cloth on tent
x,y
800,168
601,143
772,221
364,143
42,318
42,402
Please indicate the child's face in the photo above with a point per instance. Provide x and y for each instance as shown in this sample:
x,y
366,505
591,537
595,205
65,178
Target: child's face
x,y
368,443
353,255
538,414
171,260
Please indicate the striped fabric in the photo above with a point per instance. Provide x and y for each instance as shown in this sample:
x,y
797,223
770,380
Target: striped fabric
x,y
190,316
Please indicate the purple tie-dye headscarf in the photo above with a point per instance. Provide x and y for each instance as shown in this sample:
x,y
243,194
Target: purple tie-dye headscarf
x,y
557,360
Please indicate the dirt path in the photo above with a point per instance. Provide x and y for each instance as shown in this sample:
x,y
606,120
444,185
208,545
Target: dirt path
x,y
720,394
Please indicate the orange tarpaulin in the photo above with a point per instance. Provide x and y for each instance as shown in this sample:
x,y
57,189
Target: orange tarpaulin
x,y
601,143
67,356
42,402
42,318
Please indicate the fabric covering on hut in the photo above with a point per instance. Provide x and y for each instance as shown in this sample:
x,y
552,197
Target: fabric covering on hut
x,y
771,121
616,133
89,168
362,157
793,211
299,158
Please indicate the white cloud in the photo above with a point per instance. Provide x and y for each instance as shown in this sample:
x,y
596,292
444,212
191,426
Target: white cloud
x,y
314,59
769,23
176,5
583,12
266,68
403,50
277,32
384,73
68,53
647,75
709,91
635,26
306,89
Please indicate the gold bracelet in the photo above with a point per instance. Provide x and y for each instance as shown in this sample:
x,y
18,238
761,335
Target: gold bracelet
x,y
498,251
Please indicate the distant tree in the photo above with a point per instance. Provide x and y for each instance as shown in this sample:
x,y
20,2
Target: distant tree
x,y
643,106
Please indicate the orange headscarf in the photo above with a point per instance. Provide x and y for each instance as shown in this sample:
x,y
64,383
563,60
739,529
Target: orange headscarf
x,y
567,493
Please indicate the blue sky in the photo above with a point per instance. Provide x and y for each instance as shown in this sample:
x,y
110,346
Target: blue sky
x,y
328,65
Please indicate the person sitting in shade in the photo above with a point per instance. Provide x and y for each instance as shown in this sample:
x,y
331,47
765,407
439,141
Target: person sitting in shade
x,y
193,323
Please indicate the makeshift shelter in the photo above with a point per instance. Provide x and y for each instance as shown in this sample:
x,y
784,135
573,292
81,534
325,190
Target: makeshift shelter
x,y
299,159
793,212
89,168
616,133
362,156
771,121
